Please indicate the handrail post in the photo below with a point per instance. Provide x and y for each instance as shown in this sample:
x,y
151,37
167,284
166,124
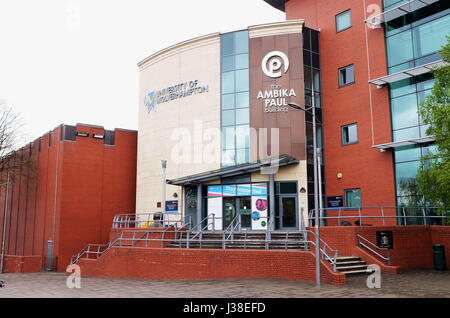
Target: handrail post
x,y
424,216
187,240
389,257
223,239
382,214
359,213
404,216
339,217
213,222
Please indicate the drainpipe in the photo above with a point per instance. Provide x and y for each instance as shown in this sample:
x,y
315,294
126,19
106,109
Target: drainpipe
x,y
4,225
272,201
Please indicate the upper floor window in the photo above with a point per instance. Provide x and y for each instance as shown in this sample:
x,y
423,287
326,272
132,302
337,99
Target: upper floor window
x,y
346,75
343,21
349,134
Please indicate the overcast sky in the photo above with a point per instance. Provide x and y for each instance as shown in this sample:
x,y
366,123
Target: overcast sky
x,y
75,61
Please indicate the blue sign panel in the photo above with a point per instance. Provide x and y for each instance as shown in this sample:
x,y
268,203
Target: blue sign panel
x,y
172,206
259,189
215,191
335,202
244,190
229,190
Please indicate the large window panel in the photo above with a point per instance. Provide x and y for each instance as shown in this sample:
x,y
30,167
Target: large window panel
x,y
242,100
407,153
242,80
241,42
242,136
241,61
227,82
405,176
406,133
228,138
429,37
228,101
227,44
399,48
228,118
242,116
404,112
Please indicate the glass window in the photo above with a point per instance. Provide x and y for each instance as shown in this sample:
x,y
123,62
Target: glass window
x,y
227,44
228,118
343,21
242,136
429,37
350,134
346,75
405,176
242,156
241,61
399,48
242,100
228,138
307,75
228,101
228,63
407,153
404,112
242,116
352,198
405,134
242,80
241,42
403,87
228,157
288,188
227,82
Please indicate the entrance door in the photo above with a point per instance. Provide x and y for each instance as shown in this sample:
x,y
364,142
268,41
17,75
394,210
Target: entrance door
x,y
287,213
229,211
245,211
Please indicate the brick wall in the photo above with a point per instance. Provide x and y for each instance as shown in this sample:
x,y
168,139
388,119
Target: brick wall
x,y
157,263
413,245
22,264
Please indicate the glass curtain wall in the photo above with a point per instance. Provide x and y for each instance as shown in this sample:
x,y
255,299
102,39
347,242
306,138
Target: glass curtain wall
x,y
311,62
235,105
412,40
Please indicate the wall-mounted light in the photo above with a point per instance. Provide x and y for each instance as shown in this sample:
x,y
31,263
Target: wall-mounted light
x,y
302,190
97,136
175,195
339,175
82,134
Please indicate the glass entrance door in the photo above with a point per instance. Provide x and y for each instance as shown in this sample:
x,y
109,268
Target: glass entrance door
x,y
229,211
286,213
245,211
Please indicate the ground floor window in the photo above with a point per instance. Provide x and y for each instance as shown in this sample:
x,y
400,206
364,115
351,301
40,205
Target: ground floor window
x,y
352,198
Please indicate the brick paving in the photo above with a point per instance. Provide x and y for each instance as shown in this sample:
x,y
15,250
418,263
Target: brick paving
x,y
413,283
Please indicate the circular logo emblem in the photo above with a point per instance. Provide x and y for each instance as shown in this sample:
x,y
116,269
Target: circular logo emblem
x,y
272,62
255,216
263,223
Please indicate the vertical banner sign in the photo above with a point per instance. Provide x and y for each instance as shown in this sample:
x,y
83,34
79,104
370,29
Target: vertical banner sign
x,y
215,206
259,206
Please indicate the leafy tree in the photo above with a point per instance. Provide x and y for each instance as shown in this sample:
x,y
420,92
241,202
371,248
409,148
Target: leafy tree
x,y
433,178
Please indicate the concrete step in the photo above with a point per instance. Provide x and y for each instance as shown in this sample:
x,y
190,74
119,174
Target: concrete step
x,y
357,272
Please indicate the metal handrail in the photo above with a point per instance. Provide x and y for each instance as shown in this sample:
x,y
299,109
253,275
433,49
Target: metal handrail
x,y
386,258
324,250
135,219
381,215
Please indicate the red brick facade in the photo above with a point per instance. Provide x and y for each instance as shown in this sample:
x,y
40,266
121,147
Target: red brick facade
x,y
94,181
361,165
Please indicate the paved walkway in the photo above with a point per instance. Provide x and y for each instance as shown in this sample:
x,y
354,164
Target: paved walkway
x,y
417,283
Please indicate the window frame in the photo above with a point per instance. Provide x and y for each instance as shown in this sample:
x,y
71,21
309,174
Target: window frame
x,y
336,18
342,134
339,77
345,198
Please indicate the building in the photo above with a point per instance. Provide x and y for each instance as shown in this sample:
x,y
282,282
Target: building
x,y
80,177
375,63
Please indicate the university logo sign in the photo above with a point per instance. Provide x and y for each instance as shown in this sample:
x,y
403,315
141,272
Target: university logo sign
x,y
149,101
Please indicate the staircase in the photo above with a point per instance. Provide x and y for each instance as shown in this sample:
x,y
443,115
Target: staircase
x,y
352,265
242,240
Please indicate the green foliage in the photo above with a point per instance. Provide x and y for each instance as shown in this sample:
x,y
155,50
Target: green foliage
x,y
433,178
